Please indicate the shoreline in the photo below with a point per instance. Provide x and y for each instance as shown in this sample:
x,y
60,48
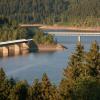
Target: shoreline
x,y
62,27
56,47
73,28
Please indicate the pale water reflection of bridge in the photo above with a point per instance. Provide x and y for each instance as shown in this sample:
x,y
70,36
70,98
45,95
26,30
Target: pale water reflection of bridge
x,y
14,47
70,33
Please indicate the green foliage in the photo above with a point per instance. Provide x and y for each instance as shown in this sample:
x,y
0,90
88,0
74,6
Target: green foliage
x,y
41,38
49,92
5,86
11,31
93,60
19,91
2,75
35,92
82,75
75,12
75,64
87,88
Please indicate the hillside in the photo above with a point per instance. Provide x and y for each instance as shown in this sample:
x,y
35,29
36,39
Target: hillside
x,y
72,12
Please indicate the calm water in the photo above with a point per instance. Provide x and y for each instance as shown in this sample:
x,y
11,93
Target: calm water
x,y
33,65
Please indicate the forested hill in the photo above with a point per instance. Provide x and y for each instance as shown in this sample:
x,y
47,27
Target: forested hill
x,y
50,11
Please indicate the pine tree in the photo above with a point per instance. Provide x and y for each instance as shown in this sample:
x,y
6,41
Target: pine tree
x,y
87,88
34,92
75,64
19,91
82,75
2,75
4,86
46,87
72,72
93,60
49,92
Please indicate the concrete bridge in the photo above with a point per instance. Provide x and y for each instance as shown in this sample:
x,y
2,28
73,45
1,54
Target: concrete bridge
x,y
14,47
71,33
63,31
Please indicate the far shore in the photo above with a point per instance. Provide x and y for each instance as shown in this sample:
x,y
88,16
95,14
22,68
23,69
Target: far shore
x,y
62,27
73,28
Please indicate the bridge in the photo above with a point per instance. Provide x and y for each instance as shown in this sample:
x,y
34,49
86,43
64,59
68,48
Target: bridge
x,y
71,33
14,47
60,31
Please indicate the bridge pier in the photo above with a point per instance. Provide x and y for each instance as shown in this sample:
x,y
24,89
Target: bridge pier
x,y
3,51
14,50
15,47
79,38
24,48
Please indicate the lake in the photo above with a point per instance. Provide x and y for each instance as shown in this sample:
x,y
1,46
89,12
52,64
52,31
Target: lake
x,y
33,65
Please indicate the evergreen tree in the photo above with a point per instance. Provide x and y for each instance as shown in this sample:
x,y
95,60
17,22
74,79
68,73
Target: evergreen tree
x,y
49,92
4,86
78,86
19,91
93,60
34,92
2,75
87,88
72,72
75,64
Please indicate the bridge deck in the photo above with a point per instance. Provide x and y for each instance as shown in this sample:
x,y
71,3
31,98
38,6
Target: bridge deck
x,y
15,41
73,33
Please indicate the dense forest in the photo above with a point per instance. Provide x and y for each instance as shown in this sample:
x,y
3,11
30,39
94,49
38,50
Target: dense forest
x,y
72,12
81,80
10,30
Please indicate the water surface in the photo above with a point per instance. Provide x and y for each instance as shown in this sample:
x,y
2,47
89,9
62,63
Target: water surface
x,y
33,65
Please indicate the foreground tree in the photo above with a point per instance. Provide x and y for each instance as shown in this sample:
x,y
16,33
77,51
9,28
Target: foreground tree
x,y
72,72
2,75
93,60
87,88
75,64
82,75
49,92
19,91
34,91
5,86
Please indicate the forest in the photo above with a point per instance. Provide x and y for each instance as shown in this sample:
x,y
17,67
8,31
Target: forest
x,y
10,30
81,80
68,12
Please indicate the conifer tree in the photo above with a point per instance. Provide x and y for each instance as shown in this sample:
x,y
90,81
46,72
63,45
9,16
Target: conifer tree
x,y
49,92
72,72
46,87
19,91
87,88
5,86
93,60
34,92
2,75
75,64
77,86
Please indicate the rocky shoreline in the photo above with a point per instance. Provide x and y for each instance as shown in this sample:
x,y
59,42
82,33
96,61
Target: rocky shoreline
x,y
54,47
